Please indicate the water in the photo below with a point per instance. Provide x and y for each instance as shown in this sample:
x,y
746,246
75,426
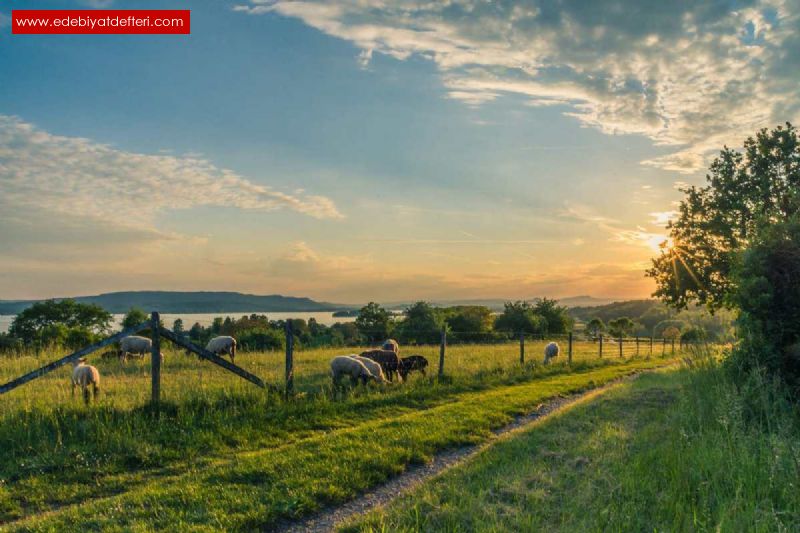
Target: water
x,y
205,319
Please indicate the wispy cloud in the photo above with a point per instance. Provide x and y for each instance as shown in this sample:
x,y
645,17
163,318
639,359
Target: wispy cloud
x,y
691,75
70,175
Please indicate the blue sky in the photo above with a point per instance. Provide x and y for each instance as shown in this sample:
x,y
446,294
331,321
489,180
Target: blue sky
x,y
375,150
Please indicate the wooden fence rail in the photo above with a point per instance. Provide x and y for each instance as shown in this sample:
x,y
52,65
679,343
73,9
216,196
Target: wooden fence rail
x,y
214,358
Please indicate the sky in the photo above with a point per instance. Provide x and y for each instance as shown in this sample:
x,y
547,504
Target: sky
x,y
356,150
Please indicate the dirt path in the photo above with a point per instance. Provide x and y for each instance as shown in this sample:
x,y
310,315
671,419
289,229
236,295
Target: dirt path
x,y
330,518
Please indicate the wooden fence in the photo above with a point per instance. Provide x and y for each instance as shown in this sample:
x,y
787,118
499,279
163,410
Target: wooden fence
x,y
157,332
642,344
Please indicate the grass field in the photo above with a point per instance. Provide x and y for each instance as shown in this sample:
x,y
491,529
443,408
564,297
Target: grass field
x,y
671,451
263,458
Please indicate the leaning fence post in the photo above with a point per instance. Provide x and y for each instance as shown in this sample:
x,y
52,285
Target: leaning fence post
x,y
569,351
522,348
289,359
442,348
620,346
601,346
155,357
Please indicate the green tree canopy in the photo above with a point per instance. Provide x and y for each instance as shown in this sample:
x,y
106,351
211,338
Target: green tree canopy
x,y
768,297
134,317
470,323
718,221
50,322
520,317
373,322
422,324
556,317
621,327
595,327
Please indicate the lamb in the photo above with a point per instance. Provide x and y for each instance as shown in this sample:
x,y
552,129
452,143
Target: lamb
x,y
388,360
412,362
550,351
392,345
373,367
222,345
84,375
345,365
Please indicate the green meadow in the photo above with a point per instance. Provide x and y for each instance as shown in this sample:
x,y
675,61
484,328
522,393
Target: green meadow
x,y
119,464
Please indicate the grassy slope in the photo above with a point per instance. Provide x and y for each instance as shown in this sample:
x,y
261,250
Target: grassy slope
x,y
254,489
669,452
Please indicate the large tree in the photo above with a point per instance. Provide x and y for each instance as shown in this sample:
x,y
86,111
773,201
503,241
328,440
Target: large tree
x,y
715,223
520,317
373,322
53,320
422,324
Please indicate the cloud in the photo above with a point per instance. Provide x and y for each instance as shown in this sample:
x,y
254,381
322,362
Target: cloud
x,y
64,176
691,76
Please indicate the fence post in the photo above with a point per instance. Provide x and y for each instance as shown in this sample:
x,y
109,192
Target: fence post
x,y
663,347
289,359
620,346
601,346
155,358
522,348
569,351
637,345
673,346
651,346
442,348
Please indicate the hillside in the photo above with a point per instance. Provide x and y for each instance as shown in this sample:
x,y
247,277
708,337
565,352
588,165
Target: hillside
x,y
188,302
631,308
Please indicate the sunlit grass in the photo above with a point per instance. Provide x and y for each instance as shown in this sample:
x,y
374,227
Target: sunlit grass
x,y
57,451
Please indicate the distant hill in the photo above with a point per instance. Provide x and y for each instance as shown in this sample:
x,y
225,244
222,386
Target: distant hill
x,y
496,304
188,302
631,308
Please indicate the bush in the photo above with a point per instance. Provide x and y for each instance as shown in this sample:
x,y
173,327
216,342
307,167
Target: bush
x,y
768,296
261,340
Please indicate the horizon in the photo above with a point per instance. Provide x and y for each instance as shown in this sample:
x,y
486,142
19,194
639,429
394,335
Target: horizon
x,y
434,302
354,152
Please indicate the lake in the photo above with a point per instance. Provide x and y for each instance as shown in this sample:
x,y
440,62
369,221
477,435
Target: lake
x,y
205,319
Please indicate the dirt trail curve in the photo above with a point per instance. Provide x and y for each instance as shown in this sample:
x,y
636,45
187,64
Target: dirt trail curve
x,y
329,519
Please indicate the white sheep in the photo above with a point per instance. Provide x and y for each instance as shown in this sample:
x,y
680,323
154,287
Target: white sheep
x,y
344,365
84,375
391,345
550,351
373,367
222,345
134,345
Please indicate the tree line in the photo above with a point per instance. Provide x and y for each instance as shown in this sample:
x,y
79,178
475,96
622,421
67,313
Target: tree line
x,y
74,325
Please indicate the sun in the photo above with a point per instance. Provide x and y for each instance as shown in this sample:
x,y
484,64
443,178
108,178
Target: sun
x,y
659,242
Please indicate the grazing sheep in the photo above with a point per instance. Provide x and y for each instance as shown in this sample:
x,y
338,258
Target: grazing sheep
x,y
344,365
392,345
133,345
412,362
550,351
84,375
222,345
388,360
373,367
